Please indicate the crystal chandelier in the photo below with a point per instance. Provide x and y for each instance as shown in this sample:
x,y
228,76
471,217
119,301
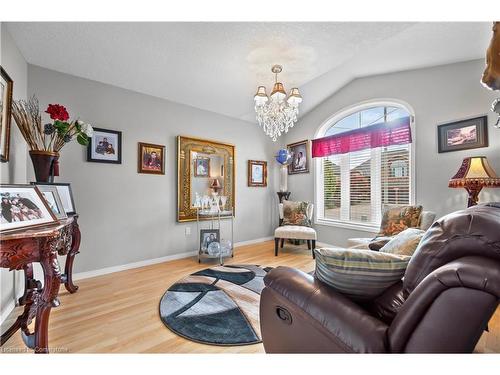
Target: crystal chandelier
x,y
277,115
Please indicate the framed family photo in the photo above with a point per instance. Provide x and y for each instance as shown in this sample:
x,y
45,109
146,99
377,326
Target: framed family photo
x,y
151,158
53,200
300,157
257,173
463,135
6,87
105,146
23,206
207,236
65,194
202,167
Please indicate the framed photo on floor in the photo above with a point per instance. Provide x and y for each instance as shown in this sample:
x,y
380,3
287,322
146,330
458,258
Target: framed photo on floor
x,y
257,173
65,195
105,146
6,87
300,157
23,206
151,158
463,135
51,195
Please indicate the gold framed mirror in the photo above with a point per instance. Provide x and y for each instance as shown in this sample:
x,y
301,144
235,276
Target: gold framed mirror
x,y
204,167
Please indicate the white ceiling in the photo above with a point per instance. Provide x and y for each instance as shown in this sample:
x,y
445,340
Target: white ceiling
x,y
217,66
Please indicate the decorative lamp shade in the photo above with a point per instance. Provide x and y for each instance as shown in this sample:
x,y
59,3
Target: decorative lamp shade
x,y
294,99
474,174
261,96
278,92
215,184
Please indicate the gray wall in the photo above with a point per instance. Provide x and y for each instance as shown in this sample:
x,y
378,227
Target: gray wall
x,y
15,170
128,217
438,94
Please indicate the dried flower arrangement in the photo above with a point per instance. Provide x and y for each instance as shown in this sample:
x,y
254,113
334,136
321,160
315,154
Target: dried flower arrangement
x,y
52,136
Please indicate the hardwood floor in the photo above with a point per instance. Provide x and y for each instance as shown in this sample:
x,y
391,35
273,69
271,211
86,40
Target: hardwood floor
x,y
119,312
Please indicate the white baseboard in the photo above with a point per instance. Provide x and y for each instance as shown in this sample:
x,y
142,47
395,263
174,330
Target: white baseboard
x,y
148,262
6,311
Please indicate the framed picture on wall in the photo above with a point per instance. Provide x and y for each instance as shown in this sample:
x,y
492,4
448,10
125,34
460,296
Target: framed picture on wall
x,y
151,158
65,195
6,87
23,206
463,134
202,167
300,157
257,173
105,146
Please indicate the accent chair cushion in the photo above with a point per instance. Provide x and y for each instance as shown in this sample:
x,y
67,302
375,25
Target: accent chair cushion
x,y
296,232
404,243
359,274
397,219
295,213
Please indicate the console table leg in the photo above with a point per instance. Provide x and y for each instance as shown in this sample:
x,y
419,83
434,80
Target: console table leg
x,y
51,284
28,277
68,267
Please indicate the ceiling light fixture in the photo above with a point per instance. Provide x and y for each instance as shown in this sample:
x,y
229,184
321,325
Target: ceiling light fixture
x,y
277,115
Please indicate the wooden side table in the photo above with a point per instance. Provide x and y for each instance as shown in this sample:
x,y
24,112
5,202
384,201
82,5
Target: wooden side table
x,y
19,250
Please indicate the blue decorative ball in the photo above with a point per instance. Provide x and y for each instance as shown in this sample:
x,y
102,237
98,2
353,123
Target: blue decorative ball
x,y
284,157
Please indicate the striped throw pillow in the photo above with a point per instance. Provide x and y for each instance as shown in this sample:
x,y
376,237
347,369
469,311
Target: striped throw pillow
x,y
359,274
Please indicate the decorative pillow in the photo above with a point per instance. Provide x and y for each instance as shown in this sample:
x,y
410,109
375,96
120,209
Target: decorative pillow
x,y
359,274
404,243
396,220
295,213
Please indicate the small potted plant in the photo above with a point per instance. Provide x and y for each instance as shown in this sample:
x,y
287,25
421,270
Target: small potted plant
x,y
45,141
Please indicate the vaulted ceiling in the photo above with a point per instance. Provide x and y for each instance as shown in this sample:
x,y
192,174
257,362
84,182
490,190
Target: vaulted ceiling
x,y
217,66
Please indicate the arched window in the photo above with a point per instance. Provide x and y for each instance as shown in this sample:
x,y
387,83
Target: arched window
x,y
363,164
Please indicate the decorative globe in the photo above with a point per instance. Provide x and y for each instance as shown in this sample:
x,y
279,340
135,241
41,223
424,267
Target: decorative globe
x,y
213,248
284,157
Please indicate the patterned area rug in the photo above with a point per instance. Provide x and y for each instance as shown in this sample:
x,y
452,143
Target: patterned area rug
x,y
218,306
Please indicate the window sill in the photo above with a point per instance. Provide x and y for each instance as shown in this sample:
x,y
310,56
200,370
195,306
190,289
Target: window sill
x,y
348,225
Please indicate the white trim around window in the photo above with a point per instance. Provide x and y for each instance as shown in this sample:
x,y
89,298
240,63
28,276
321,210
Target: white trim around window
x,y
319,218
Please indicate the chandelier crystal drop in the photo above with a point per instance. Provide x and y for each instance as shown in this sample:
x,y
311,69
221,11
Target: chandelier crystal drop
x,y
277,113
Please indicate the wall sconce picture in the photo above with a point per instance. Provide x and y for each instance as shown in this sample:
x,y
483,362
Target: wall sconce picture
x,y
257,173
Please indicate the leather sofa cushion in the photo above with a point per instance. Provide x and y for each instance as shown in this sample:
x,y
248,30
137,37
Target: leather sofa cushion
x,y
359,274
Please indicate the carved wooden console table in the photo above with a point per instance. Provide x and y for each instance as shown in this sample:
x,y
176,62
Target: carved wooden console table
x,y
19,250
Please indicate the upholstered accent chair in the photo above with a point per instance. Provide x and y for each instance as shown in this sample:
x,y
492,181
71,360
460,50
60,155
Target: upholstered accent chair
x,y
295,232
449,292
425,222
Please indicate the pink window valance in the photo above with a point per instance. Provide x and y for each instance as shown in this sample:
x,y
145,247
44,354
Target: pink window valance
x,y
397,132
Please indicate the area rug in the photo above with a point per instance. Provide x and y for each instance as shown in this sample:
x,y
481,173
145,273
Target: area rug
x,y
218,305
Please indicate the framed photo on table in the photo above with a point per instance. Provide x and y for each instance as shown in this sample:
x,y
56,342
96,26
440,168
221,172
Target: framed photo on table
x,y
105,146
300,157
151,158
207,236
65,195
6,88
257,173
23,206
463,135
51,195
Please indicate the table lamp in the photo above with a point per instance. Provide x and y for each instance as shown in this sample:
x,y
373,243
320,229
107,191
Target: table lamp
x,y
474,174
215,185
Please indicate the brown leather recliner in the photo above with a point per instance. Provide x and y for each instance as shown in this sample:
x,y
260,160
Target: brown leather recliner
x,y
450,290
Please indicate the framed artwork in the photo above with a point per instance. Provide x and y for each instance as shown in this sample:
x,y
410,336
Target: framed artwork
x,y
23,206
151,158
207,236
6,86
202,167
65,195
463,134
300,157
257,173
53,200
105,146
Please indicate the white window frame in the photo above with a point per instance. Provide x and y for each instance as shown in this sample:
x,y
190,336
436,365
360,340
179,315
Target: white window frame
x,y
319,218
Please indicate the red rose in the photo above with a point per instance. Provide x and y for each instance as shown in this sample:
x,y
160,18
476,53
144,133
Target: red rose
x,y
57,112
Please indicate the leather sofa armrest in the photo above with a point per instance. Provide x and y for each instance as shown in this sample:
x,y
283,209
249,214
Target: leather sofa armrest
x,y
347,324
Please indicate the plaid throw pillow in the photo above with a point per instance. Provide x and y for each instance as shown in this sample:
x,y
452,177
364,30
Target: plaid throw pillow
x,y
396,220
295,213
